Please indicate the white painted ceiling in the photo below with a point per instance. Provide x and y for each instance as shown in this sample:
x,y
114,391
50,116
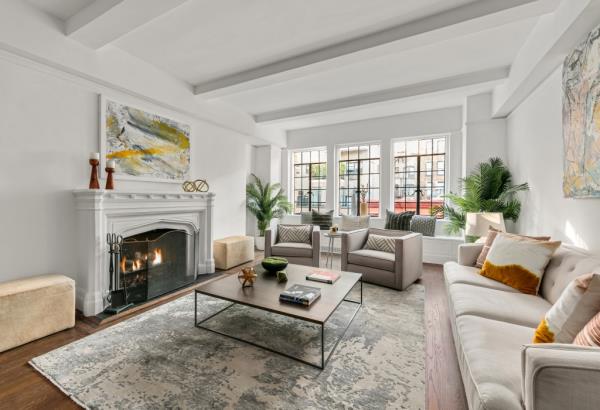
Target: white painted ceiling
x,y
203,40
61,9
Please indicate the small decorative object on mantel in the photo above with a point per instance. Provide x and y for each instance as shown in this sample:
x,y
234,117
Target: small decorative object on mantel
x,y
94,162
110,168
198,185
247,277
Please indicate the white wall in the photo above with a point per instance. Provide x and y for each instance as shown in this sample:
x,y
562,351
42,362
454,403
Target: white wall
x,y
48,125
535,152
384,130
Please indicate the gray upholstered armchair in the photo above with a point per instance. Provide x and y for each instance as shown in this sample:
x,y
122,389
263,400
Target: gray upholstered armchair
x,y
396,270
294,252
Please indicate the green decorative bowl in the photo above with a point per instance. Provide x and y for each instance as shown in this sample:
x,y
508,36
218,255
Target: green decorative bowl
x,y
274,264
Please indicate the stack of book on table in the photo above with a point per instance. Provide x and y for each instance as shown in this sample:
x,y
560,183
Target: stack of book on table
x,y
324,276
300,294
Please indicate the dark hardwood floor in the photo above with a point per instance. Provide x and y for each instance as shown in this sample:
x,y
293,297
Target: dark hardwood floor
x,y
21,387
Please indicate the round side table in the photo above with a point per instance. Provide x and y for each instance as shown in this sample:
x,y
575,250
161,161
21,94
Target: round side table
x,y
329,258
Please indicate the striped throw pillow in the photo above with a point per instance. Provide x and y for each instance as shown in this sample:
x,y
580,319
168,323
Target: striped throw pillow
x,y
590,334
381,243
398,222
323,219
518,262
295,233
575,307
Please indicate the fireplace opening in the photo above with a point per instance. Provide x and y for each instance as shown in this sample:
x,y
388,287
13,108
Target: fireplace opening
x,y
155,262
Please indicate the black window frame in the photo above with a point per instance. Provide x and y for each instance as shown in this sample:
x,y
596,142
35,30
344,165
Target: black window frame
x,y
299,206
417,188
346,194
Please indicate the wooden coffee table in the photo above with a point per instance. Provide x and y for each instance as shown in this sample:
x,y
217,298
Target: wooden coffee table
x,y
264,295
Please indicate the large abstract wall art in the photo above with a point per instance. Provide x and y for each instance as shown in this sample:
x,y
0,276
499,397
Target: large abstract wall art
x,y
581,119
145,146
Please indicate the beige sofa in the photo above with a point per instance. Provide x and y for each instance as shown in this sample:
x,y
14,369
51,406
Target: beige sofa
x,y
493,326
396,270
297,253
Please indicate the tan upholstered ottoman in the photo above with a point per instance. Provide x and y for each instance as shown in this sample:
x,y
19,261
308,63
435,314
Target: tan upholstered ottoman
x,y
233,251
35,307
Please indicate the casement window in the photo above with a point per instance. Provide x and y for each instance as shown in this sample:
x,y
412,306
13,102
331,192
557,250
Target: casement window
x,y
419,174
359,170
309,179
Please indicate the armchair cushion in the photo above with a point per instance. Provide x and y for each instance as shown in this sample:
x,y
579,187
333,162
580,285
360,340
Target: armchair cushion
x,y
373,259
292,249
295,233
352,223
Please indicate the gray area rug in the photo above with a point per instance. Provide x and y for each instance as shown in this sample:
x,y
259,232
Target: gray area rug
x,y
159,359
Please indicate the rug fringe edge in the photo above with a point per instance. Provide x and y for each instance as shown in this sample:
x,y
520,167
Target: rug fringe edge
x,y
58,385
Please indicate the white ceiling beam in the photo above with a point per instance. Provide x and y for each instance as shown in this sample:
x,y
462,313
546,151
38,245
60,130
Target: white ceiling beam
x,y
555,36
463,20
105,21
407,91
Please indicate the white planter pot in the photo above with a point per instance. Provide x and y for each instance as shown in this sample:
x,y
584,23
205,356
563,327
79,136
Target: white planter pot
x,y
259,242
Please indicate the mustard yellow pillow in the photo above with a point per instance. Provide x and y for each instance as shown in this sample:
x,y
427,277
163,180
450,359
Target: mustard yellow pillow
x,y
518,261
577,305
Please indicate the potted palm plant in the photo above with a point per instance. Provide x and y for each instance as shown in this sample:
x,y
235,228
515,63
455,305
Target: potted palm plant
x,y
488,188
265,202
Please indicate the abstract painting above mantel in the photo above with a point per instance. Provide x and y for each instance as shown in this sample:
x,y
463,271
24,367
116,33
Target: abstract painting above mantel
x,y
581,119
145,146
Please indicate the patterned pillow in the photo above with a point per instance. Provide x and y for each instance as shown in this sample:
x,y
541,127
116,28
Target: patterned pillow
x,y
381,243
590,334
352,223
577,305
518,262
489,239
398,222
324,219
295,233
423,224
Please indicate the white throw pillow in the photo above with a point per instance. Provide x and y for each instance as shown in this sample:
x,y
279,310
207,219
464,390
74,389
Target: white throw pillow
x,y
352,223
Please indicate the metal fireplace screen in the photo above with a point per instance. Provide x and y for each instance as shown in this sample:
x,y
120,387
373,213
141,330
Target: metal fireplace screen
x,y
154,263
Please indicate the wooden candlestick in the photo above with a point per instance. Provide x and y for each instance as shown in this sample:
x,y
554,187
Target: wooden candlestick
x,y
109,178
94,184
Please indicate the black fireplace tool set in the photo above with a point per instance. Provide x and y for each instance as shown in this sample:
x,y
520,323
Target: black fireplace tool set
x,y
117,295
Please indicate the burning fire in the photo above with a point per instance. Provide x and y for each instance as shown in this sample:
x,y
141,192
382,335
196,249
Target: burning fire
x,y
131,266
157,257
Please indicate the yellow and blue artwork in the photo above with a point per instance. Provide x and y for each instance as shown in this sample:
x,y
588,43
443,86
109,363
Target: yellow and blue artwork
x,y
145,145
581,119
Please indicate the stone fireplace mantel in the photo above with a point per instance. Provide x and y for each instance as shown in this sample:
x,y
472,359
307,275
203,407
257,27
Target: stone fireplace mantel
x,y
127,213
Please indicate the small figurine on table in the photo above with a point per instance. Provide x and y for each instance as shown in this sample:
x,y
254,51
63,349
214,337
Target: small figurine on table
x,y
281,276
247,277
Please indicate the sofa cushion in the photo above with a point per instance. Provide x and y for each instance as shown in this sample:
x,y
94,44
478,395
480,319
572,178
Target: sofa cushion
x,y
302,250
399,222
490,359
489,239
576,306
567,264
511,307
352,223
455,273
323,219
423,224
373,259
518,261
